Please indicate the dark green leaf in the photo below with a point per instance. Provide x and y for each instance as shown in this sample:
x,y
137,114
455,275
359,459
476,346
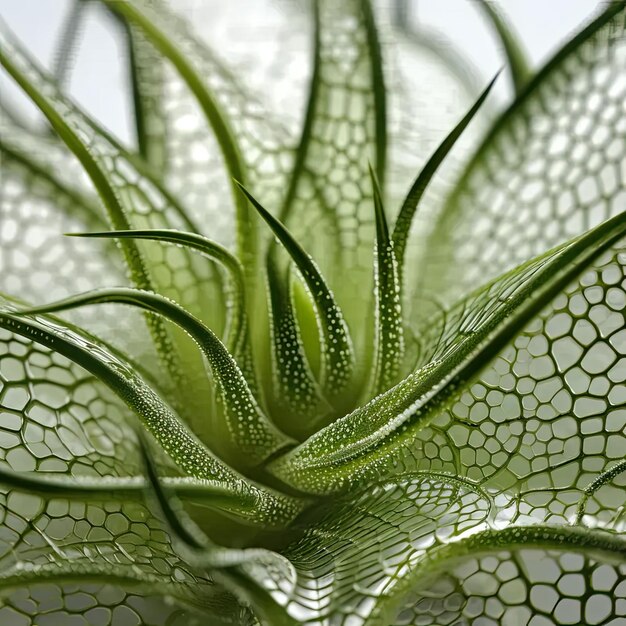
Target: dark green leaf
x,y
246,500
404,219
389,332
519,65
337,353
249,430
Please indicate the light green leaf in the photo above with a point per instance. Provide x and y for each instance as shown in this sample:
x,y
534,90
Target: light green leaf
x,y
237,329
226,127
326,206
147,73
298,399
68,37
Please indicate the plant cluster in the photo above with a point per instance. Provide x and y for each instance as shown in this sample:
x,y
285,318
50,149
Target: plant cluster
x,y
326,402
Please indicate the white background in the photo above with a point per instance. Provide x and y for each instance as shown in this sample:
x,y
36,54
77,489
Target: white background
x,y
100,84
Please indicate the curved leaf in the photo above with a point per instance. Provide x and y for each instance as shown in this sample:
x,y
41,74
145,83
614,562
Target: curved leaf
x,y
67,40
252,503
608,515
236,331
541,566
386,555
251,433
72,548
210,94
244,572
326,207
411,202
147,79
519,65
51,485
198,548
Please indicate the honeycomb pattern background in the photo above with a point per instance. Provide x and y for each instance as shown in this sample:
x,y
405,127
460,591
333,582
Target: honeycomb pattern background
x,y
370,548
525,588
368,545
55,417
546,417
513,204
536,437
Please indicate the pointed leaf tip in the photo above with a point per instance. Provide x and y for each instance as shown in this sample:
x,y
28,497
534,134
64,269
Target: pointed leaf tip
x,y
337,352
410,205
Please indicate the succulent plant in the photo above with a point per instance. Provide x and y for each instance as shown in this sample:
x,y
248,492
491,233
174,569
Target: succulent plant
x,y
326,402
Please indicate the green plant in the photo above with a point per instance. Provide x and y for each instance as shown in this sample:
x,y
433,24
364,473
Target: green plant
x,y
406,434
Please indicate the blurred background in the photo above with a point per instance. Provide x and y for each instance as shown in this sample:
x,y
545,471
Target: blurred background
x,y
98,78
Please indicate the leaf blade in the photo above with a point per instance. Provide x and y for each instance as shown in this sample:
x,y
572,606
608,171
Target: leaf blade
x,y
186,450
212,250
252,434
389,331
518,62
411,202
337,352
296,392
156,32
508,309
